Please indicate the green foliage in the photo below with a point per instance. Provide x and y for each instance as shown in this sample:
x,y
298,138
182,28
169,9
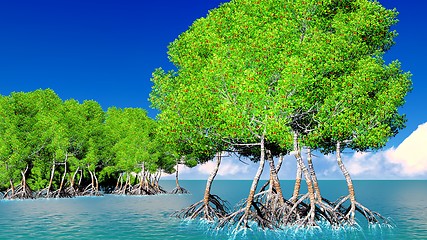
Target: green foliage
x,y
253,69
135,142
40,131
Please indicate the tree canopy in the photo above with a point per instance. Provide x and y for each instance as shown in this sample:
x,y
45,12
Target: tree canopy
x,y
251,65
47,142
284,75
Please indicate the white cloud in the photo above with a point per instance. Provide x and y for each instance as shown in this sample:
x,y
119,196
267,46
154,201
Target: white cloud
x,y
410,154
407,161
230,168
227,168
368,165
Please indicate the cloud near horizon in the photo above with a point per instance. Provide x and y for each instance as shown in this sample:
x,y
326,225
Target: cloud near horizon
x,y
406,161
410,154
229,169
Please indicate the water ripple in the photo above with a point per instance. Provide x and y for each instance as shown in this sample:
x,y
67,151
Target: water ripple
x,y
148,217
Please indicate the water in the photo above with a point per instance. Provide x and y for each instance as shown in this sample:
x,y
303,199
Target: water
x,y
148,217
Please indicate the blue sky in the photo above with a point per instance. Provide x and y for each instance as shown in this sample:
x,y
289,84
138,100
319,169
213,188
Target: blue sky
x,y
106,51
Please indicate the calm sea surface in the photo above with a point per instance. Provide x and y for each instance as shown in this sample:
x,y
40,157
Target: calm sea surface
x,y
148,217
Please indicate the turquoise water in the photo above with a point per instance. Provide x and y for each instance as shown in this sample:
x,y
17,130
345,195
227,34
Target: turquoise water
x,y
148,217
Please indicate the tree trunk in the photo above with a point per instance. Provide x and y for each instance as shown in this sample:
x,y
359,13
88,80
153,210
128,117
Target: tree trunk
x,y
141,178
96,181
210,180
24,181
121,181
51,178
81,176
270,182
274,178
146,178
127,183
348,180
313,175
297,185
307,179
279,163
298,177
74,177
158,175
92,180
118,181
11,186
63,175
176,176
251,195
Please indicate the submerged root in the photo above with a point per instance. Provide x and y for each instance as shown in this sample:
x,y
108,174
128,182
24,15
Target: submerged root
x,y
300,213
326,211
179,190
271,211
276,208
268,211
258,214
307,216
213,209
372,216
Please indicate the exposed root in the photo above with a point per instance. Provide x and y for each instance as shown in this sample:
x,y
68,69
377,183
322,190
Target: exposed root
x,y
372,216
268,212
72,192
276,208
213,209
44,193
179,190
142,190
20,192
139,189
62,194
346,212
297,214
306,216
122,190
90,191
326,211
309,220
259,214
160,190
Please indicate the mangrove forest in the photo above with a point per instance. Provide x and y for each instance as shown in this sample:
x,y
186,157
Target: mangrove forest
x,y
261,79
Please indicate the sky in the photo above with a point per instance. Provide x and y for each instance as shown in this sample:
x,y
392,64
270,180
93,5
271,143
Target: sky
x,y
106,51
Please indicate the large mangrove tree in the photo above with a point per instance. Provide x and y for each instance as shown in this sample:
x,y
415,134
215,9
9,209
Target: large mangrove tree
x,y
268,78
